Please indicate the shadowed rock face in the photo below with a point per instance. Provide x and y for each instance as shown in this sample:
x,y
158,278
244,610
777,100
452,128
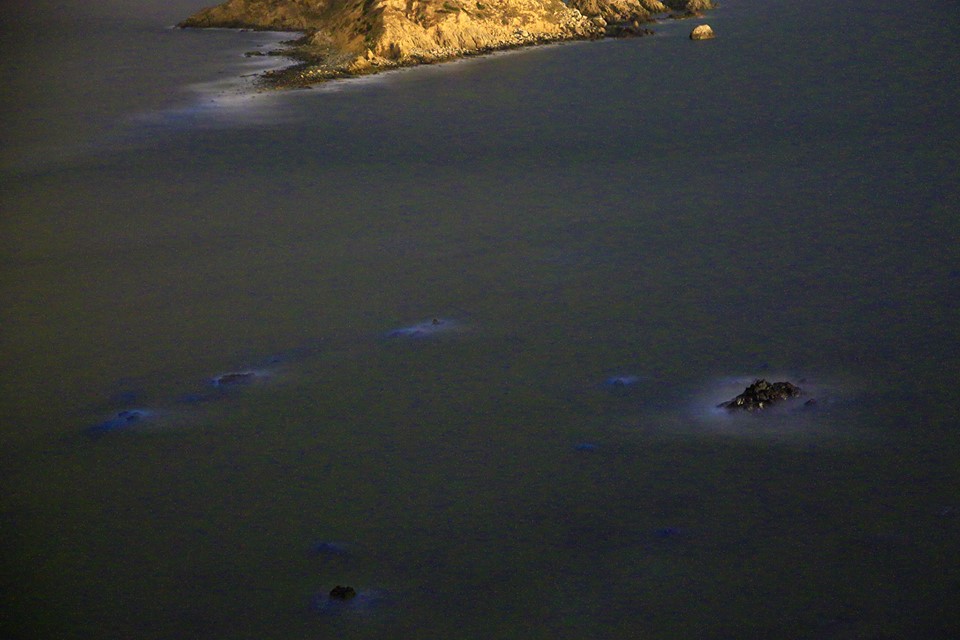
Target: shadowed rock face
x,y
348,37
762,394
342,593
690,6
613,11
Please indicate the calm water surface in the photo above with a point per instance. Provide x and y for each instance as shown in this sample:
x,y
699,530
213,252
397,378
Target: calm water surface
x,y
780,202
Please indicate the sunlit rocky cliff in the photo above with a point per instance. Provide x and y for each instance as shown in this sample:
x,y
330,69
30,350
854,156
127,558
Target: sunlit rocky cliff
x,y
361,36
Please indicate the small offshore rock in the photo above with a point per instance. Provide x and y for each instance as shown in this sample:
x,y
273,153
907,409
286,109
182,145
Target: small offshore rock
x,y
761,394
234,378
342,593
702,32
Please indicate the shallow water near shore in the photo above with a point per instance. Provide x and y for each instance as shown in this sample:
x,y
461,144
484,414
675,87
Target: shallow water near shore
x,y
225,394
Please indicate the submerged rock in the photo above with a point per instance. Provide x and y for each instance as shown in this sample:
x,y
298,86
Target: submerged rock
x,y
762,394
234,378
347,601
702,32
122,420
343,593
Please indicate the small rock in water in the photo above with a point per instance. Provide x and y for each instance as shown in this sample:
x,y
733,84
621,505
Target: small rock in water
x,y
585,446
344,600
343,593
762,394
702,32
234,378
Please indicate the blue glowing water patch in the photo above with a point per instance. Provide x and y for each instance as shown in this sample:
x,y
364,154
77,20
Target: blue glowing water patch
x,y
621,381
427,329
120,422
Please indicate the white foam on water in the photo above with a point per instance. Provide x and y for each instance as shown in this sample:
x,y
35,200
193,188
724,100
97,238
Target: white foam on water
x,y
391,75
233,98
217,104
236,378
426,329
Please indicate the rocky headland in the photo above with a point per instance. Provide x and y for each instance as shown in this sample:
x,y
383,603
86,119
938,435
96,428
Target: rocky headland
x,y
354,37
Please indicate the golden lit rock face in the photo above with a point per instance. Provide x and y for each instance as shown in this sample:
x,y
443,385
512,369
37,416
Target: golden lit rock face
x,y
432,29
702,32
613,10
282,15
397,30
360,36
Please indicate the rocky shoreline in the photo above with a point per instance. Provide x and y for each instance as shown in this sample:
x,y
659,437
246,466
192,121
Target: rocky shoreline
x,y
347,38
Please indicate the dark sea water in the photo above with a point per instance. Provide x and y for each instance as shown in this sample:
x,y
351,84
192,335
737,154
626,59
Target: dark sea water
x,y
613,238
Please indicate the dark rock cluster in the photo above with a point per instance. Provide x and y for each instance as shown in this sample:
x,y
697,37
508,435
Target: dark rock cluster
x,y
342,593
630,29
761,394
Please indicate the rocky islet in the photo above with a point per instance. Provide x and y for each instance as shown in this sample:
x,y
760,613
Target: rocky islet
x,y
354,37
762,394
